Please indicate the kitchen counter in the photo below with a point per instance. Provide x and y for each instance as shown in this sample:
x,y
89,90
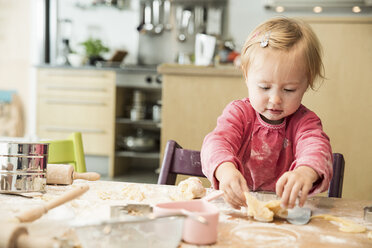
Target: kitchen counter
x,y
121,68
222,70
234,230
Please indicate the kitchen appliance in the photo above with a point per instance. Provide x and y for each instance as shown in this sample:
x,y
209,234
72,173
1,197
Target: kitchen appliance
x,y
170,27
204,49
23,167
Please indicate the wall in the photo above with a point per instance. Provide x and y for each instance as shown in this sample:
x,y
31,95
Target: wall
x,y
116,28
15,59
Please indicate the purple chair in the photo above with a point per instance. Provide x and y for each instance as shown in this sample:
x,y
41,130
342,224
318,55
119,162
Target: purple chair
x,y
335,188
187,162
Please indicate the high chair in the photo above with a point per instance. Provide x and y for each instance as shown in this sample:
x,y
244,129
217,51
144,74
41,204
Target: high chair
x,y
187,162
69,151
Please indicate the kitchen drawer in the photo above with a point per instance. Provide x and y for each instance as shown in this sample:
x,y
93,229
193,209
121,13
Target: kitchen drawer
x,y
88,83
89,112
94,141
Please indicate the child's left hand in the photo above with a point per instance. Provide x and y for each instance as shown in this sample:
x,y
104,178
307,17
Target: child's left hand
x,y
291,183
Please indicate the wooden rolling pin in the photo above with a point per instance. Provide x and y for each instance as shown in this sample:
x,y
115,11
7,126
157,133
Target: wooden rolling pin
x,y
36,212
65,174
13,235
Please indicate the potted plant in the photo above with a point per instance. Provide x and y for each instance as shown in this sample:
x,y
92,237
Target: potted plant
x,y
94,49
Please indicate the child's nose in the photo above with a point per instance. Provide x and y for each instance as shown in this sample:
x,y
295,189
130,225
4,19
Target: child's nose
x,y
275,99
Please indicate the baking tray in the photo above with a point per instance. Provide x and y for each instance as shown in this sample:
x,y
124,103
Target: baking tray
x,y
140,232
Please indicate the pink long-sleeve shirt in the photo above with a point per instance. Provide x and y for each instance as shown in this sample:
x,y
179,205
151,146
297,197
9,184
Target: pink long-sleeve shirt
x,y
263,152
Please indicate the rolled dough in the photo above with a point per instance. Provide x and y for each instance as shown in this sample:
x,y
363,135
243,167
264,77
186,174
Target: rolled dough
x,y
346,225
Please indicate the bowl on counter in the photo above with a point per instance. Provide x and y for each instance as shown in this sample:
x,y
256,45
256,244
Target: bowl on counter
x,y
76,60
137,143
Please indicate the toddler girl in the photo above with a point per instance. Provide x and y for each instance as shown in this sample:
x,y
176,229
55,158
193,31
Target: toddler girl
x,y
270,141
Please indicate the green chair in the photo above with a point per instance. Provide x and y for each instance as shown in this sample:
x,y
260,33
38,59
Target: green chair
x,y
69,151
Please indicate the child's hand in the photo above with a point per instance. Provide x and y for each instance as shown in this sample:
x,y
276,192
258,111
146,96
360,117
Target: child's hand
x,y
291,183
232,183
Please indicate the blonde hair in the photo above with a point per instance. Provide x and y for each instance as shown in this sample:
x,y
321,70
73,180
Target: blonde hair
x,y
283,34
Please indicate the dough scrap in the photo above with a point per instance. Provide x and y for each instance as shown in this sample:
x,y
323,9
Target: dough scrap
x,y
346,225
189,189
133,192
370,235
264,211
274,206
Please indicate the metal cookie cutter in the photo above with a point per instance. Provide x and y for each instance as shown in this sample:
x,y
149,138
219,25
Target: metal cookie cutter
x,y
368,213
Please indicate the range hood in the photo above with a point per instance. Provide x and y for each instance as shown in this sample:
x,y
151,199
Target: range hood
x,y
332,5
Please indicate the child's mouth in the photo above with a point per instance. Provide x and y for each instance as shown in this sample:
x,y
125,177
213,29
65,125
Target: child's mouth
x,y
275,111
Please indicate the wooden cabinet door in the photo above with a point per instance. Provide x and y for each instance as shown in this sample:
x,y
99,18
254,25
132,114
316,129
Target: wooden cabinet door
x,y
343,101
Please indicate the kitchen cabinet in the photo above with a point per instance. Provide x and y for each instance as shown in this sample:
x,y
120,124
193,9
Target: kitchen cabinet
x,y
97,103
132,125
194,97
78,100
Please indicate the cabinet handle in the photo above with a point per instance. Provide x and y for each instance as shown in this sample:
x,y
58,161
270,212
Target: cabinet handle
x,y
69,88
72,129
75,102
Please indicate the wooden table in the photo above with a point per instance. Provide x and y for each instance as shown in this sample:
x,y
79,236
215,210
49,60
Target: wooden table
x,y
235,229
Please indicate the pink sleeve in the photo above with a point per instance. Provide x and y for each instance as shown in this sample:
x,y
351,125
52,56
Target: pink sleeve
x,y
223,143
312,148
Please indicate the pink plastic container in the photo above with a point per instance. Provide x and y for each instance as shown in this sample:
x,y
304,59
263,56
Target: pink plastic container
x,y
194,232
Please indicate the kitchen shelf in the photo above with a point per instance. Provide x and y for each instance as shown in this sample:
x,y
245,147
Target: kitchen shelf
x,y
148,123
149,155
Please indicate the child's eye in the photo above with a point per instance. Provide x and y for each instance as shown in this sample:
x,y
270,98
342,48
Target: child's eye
x,y
264,87
289,90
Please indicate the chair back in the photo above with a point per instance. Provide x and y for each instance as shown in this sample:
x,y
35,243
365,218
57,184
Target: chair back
x,y
68,151
187,162
335,188
179,161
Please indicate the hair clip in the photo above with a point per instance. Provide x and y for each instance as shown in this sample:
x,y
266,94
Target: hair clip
x,y
265,39
255,35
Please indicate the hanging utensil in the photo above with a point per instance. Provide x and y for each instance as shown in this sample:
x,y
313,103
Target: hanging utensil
x,y
166,15
158,27
147,26
185,19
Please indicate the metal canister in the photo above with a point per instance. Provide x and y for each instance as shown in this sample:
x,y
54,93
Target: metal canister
x,y
23,167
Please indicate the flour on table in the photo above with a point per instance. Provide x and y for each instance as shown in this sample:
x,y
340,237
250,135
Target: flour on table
x,y
346,225
189,189
332,239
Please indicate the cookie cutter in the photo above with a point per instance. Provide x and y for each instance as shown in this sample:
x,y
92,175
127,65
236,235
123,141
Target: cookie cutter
x,y
368,213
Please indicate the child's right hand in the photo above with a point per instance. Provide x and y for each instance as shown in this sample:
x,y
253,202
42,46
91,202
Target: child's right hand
x,y
232,183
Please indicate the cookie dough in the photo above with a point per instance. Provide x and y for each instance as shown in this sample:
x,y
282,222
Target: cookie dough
x,y
346,225
189,189
257,209
264,211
